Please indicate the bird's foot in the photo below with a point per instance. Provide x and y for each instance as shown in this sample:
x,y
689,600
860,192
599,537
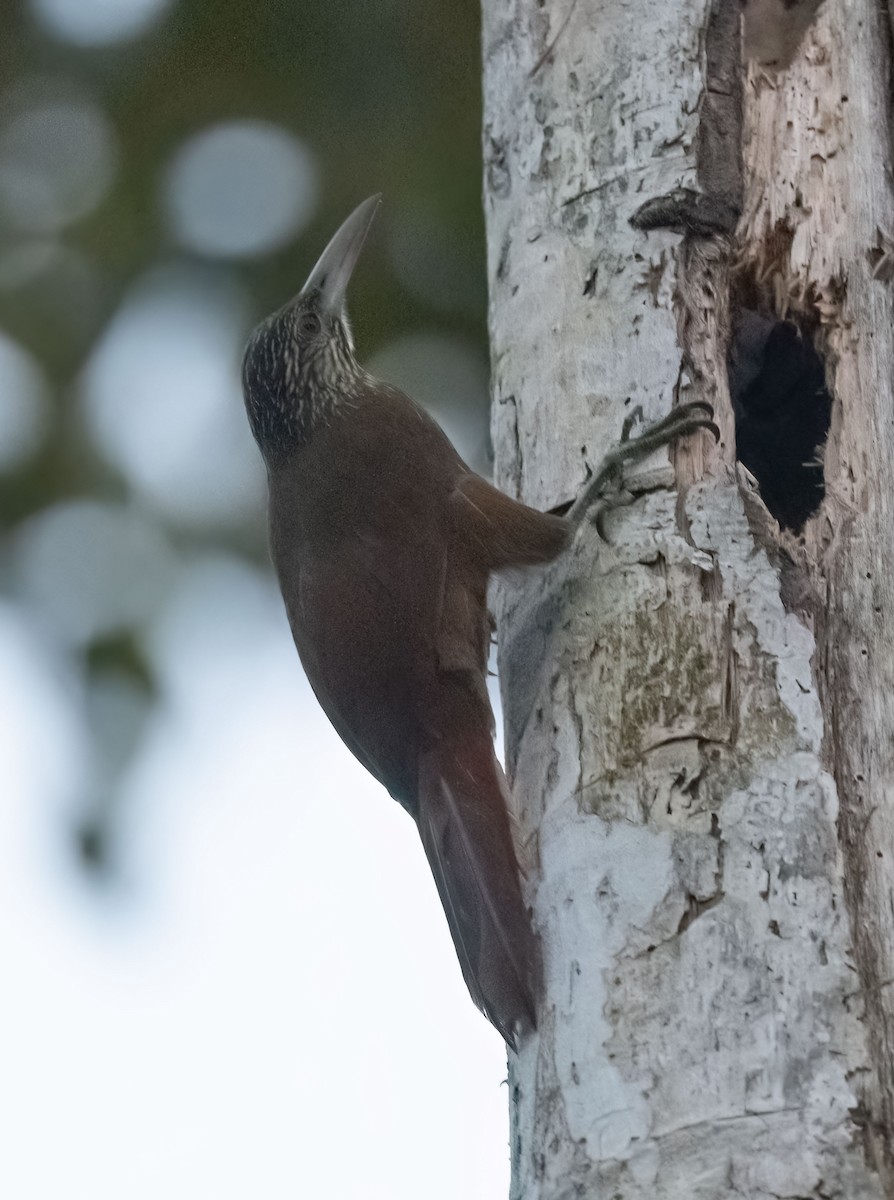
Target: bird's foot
x,y
605,489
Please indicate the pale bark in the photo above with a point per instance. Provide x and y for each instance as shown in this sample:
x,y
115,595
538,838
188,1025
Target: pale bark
x,y
697,709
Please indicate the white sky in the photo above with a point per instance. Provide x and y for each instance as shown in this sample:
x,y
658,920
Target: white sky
x,y
268,1003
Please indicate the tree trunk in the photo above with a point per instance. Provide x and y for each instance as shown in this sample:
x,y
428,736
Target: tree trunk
x,y
699,711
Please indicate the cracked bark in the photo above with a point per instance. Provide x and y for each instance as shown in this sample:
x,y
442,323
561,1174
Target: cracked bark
x,y
696,710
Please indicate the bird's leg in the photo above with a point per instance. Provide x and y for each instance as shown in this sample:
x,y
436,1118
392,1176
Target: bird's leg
x,y
680,422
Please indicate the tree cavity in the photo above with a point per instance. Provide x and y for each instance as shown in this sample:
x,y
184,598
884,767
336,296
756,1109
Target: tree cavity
x,y
782,409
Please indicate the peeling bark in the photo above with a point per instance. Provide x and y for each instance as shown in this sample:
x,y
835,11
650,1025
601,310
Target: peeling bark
x,y
696,710
828,119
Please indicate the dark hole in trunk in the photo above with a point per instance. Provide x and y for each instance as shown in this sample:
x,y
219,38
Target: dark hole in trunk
x,y
782,408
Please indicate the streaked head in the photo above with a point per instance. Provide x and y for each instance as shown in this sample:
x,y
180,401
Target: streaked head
x,y
299,363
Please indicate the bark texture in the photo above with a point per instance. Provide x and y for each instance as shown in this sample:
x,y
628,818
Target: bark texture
x,y
695,711
817,235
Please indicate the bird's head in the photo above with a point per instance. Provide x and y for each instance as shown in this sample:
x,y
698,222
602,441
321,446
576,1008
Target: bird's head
x,y
299,363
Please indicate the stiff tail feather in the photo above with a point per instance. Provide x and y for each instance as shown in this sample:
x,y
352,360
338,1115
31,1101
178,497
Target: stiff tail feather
x,y
464,822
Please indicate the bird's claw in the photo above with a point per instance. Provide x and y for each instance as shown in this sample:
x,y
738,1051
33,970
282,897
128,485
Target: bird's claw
x,y
600,511
680,422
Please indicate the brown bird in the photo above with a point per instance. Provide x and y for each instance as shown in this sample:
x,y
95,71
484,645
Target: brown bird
x,y
383,541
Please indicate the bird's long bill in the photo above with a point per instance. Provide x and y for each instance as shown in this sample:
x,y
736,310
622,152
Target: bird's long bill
x,y
332,274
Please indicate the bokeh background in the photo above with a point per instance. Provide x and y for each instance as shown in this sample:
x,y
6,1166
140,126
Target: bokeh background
x,y
223,966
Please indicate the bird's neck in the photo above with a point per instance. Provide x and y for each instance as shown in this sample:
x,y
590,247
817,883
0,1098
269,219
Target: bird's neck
x,y
286,421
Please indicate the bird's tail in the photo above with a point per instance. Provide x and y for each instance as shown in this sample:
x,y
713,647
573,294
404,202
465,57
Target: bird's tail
x,y
464,820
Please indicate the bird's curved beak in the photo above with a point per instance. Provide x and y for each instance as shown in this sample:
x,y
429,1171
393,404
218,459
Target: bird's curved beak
x,y
332,274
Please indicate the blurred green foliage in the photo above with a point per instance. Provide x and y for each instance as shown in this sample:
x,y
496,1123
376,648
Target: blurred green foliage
x,y
387,97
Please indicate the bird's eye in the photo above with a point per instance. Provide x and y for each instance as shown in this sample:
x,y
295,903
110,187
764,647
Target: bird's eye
x,y
310,324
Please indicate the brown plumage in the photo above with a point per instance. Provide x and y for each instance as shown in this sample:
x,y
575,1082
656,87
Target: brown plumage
x,y
383,540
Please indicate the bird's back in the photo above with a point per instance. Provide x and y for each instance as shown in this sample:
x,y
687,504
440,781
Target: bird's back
x,y
383,540
359,533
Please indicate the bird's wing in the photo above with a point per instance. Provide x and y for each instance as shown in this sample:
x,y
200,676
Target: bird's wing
x,y
386,590
464,808
361,552
488,531
500,532
357,634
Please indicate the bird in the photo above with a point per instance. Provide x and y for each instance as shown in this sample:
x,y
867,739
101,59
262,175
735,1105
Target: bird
x,y
383,541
